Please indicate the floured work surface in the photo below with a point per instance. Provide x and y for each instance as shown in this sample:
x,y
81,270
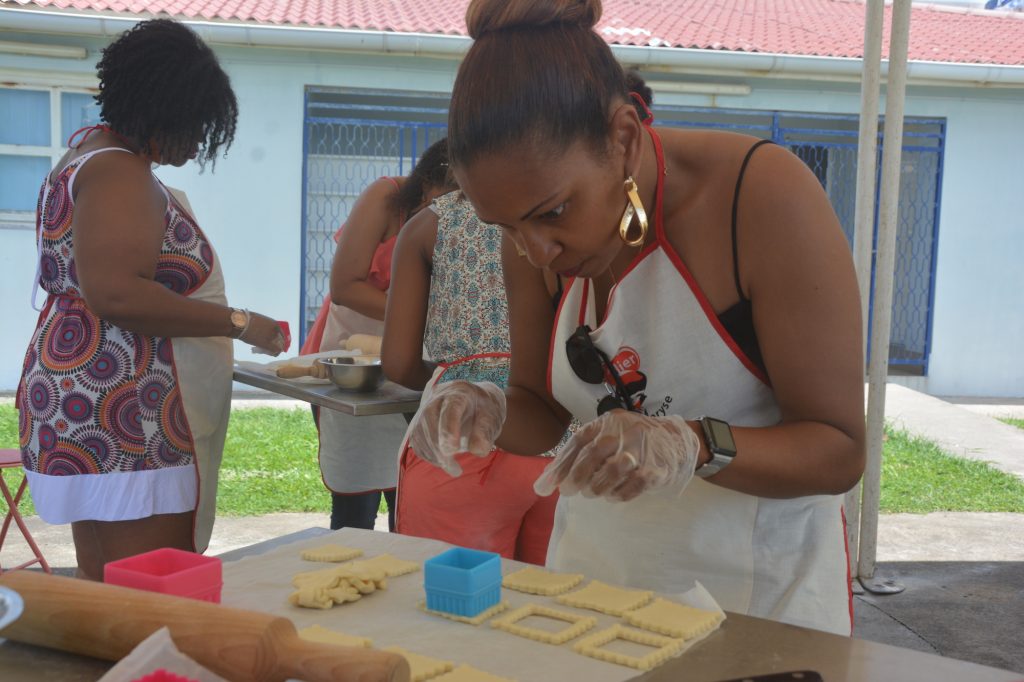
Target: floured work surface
x,y
392,617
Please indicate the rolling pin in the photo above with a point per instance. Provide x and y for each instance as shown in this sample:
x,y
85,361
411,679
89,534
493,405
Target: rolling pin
x,y
296,371
107,622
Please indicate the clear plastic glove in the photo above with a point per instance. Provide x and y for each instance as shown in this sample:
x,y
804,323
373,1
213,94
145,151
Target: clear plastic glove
x,y
459,417
622,454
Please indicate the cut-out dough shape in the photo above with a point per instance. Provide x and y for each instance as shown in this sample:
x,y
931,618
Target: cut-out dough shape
x,y
422,667
465,673
605,599
664,648
318,633
473,620
577,624
675,620
538,581
331,553
392,567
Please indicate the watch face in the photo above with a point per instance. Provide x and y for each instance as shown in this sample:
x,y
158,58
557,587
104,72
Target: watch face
x,y
721,436
238,319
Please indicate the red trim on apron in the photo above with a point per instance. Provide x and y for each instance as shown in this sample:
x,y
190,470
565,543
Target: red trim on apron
x,y
688,277
191,440
849,577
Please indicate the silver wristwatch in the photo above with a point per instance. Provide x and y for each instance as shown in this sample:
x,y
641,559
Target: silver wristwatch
x,y
719,441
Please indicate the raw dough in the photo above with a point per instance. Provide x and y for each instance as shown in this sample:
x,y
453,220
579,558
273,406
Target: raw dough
x,y
664,647
318,633
578,624
332,553
465,673
367,344
606,599
421,667
336,585
391,566
474,620
675,620
538,581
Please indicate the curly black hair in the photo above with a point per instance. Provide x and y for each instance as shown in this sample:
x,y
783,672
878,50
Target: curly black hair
x,y
430,171
636,84
160,82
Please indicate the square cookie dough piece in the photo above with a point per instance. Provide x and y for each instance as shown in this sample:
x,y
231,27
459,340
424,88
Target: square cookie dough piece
x,y
675,620
662,648
331,553
538,581
392,566
602,598
318,633
422,667
577,624
465,673
472,620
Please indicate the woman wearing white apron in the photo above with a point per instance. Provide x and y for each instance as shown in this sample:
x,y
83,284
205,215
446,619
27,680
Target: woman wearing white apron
x,y
126,389
708,336
357,454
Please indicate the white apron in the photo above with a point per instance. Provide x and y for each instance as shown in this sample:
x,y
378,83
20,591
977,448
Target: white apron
x,y
780,559
357,454
204,366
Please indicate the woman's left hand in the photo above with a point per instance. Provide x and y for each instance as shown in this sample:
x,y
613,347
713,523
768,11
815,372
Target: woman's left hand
x,y
622,454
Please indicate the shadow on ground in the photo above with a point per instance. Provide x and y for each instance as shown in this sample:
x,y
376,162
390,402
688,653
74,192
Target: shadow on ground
x,y
972,611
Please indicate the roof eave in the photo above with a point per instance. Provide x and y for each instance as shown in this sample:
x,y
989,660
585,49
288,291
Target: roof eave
x,y
669,59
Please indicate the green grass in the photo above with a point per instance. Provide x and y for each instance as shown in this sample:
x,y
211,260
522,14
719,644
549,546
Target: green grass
x,y
270,465
918,477
1019,423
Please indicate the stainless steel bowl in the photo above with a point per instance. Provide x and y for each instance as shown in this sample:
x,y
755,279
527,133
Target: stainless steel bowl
x,y
351,374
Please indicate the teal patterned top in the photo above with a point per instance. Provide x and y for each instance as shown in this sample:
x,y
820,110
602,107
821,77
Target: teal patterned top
x,y
467,312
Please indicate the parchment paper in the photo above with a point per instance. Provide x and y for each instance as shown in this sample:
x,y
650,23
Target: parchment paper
x,y
391,617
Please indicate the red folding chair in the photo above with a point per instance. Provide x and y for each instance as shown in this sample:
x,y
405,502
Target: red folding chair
x,y
10,459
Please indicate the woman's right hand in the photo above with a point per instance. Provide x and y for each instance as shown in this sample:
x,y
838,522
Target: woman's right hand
x,y
458,417
263,333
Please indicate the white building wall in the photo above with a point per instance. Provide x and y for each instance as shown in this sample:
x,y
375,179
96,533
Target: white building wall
x,y
251,204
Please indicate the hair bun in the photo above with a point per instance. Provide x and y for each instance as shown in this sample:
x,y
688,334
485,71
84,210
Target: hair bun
x,y
485,16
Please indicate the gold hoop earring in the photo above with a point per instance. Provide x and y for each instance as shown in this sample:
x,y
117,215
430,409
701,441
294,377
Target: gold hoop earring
x,y
633,207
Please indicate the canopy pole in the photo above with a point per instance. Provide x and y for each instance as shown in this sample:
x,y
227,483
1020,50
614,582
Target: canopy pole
x,y
864,214
885,260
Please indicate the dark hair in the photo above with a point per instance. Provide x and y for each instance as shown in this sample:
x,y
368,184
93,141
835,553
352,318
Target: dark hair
x,y
637,85
430,171
159,81
537,72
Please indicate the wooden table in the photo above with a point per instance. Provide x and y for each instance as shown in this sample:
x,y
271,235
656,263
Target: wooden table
x,y
744,646
390,398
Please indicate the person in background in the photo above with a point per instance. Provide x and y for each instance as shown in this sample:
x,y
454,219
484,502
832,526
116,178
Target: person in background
x,y
641,94
708,339
357,456
126,389
449,298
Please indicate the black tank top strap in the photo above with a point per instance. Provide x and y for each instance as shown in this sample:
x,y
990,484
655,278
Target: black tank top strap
x,y
735,212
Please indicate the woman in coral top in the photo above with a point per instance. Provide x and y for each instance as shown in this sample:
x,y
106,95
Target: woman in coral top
x,y
357,459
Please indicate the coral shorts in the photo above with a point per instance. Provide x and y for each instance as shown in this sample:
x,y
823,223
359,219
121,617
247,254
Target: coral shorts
x,y
491,506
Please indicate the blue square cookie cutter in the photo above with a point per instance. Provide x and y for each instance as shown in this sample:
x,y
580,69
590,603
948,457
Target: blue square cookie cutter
x,y
462,581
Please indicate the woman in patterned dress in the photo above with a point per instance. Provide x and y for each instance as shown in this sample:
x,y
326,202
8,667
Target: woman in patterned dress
x,y
448,296
126,387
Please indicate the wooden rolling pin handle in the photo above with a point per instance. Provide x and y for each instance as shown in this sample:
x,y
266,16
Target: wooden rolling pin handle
x,y
107,622
294,371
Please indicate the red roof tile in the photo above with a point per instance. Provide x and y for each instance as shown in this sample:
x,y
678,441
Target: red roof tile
x,y
833,28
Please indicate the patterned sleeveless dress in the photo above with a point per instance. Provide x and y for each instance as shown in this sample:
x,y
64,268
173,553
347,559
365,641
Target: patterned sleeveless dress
x,y
115,425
